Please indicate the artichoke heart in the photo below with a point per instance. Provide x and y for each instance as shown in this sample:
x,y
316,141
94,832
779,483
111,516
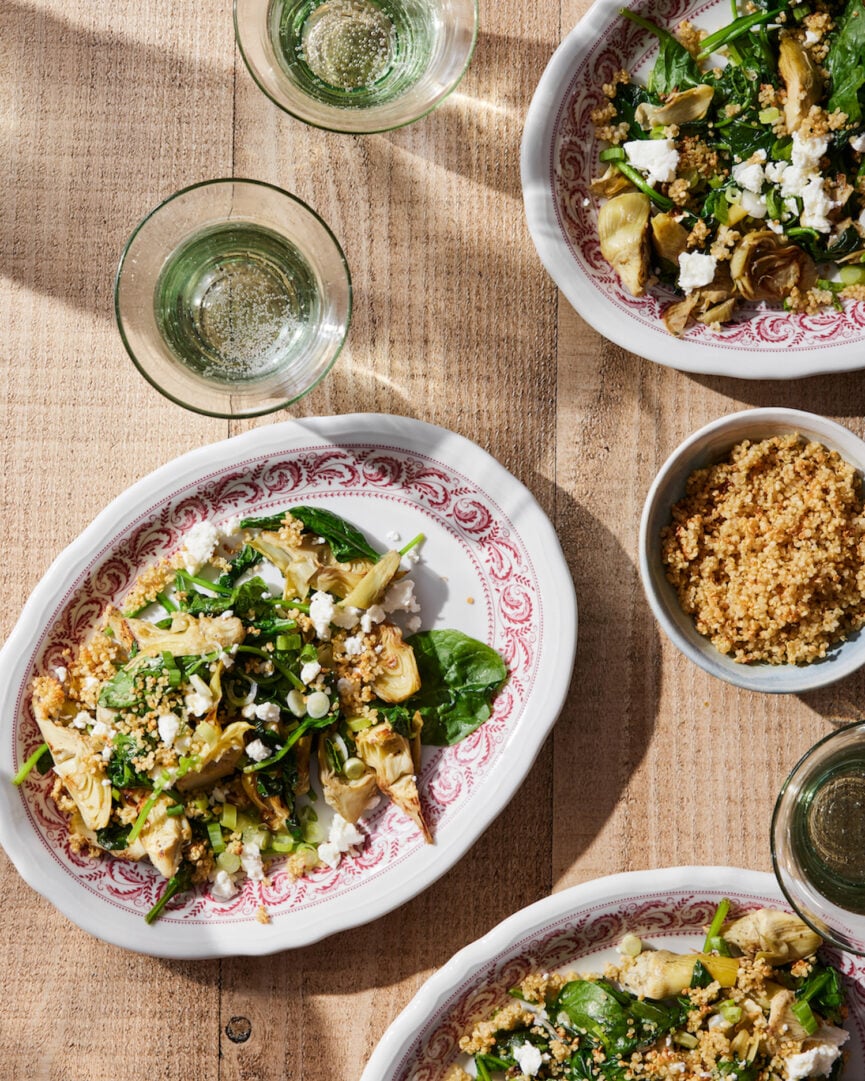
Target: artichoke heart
x,y
623,225
389,754
163,837
273,811
777,937
766,267
669,237
681,107
801,78
349,798
217,751
188,635
660,974
370,589
398,678
81,771
612,182
296,563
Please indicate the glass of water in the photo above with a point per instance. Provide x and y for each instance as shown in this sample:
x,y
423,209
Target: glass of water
x,y
357,66
818,838
233,298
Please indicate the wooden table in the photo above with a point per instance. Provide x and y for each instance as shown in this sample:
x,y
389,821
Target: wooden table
x,y
108,108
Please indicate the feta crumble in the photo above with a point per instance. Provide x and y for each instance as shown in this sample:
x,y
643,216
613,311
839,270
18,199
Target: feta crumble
x,y
199,544
657,158
695,270
257,750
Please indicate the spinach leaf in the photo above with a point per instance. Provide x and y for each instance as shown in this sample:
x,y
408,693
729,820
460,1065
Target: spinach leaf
x,y
742,138
701,976
621,1023
583,1067
245,599
844,63
629,97
459,677
120,691
120,769
736,1071
247,557
113,838
675,68
824,991
347,543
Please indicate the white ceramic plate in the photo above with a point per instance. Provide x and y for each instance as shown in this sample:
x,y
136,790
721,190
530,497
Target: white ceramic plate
x,y
560,157
491,566
578,929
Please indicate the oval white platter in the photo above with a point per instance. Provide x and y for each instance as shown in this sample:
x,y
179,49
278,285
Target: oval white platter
x,y
491,566
559,157
578,930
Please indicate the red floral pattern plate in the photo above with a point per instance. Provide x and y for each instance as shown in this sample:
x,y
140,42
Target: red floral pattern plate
x,y
491,566
558,160
578,929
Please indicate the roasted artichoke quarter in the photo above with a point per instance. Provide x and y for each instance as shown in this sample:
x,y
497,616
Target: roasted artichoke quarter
x,y
349,797
802,80
81,771
777,937
389,754
661,974
623,227
766,267
681,107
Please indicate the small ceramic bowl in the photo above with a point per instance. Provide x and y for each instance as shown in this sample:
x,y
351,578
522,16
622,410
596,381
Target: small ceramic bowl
x,y
704,447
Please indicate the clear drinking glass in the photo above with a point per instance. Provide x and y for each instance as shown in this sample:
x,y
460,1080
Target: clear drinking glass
x,y
233,298
818,838
358,66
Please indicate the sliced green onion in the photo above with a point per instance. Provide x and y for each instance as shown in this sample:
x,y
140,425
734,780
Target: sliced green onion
x,y
283,843
148,806
768,116
805,1016
228,861
354,769
685,1039
23,773
229,816
415,541
734,30
639,181
730,1012
717,923
214,834
613,153
357,724
852,275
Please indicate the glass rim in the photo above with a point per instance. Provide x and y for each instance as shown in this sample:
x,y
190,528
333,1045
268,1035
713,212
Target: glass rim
x,y
335,127
229,413
831,936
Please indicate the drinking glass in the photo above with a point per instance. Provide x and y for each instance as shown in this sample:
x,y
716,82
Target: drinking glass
x,y
818,838
233,298
357,66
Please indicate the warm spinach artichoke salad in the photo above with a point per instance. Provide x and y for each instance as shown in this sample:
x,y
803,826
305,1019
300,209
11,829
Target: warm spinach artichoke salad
x,y
182,732
738,172
756,1004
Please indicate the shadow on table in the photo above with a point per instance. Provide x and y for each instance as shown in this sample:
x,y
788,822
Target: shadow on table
x,y
841,394
89,166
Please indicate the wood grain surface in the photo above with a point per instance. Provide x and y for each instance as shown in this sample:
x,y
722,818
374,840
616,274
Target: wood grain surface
x,y
107,109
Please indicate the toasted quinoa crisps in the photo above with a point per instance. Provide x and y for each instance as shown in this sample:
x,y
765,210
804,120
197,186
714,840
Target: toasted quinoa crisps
x,y
735,174
185,729
767,551
755,1004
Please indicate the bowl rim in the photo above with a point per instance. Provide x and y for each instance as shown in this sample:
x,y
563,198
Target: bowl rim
x,y
374,129
537,166
771,679
228,413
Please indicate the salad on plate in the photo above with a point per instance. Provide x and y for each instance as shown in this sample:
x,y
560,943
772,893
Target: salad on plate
x,y
188,729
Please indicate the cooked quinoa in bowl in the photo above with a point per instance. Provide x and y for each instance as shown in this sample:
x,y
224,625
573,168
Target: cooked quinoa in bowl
x,y
767,551
752,549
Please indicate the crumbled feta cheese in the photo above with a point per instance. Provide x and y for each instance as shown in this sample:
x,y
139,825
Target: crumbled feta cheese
x,y
413,555
749,174
345,686
374,614
529,1059
817,1061
400,597
816,204
755,205
392,537
321,609
250,861
82,719
257,750
309,671
168,725
267,712
695,270
223,888
107,752
230,532
353,646
61,673
657,158
101,729
806,153
198,704
199,544
248,711
811,37
858,142
345,617
413,624
341,837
